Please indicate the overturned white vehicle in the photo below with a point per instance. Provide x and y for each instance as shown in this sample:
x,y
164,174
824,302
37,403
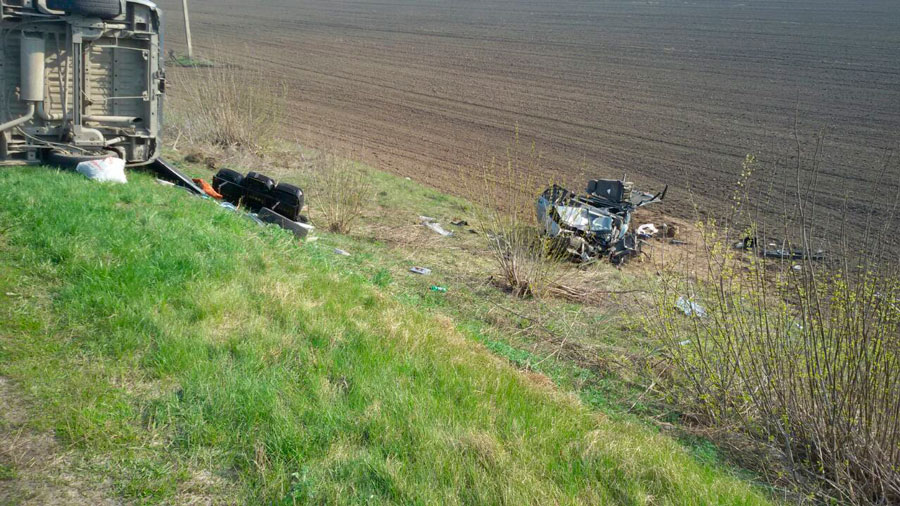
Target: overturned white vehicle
x,y
80,79
595,225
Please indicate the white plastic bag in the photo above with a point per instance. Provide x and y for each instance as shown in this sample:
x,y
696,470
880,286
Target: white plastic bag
x,y
107,170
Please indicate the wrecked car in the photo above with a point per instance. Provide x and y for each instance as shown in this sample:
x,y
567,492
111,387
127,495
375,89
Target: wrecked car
x,y
80,79
597,224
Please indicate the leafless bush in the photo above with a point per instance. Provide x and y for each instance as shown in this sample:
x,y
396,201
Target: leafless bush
x,y
802,355
341,192
226,107
528,263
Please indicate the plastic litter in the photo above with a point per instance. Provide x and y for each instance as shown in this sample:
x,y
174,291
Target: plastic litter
x,y
338,251
107,170
647,230
690,308
433,224
460,223
437,228
439,289
424,271
163,182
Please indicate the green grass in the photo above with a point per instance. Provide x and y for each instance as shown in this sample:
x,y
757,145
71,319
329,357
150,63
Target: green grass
x,y
163,336
7,472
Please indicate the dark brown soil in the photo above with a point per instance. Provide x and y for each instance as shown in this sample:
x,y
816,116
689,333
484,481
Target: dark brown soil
x,y
669,92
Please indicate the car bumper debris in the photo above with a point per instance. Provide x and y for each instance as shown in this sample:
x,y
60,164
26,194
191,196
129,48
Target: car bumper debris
x,y
595,225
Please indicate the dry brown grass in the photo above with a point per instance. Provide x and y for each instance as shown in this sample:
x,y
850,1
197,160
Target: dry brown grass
x,y
528,263
341,192
226,107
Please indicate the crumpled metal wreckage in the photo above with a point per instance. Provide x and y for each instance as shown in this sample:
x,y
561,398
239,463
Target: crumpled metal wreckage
x,y
597,224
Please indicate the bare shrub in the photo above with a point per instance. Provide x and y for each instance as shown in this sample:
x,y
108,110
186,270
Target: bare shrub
x,y
528,263
801,355
226,107
341,192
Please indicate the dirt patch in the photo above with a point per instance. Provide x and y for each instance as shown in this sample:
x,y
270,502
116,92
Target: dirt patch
x,y
34,468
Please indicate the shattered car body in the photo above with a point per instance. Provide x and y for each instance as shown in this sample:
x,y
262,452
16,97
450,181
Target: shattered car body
x,y
597,224
80,79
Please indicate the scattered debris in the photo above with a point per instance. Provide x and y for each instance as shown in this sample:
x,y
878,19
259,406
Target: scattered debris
x,y
106,170
459,223
300,230
424,271
784,253
168,172
207,188
780,252
338,251
312,239
594,225
690,308
439,289
433,224
162,182
437,228
647,231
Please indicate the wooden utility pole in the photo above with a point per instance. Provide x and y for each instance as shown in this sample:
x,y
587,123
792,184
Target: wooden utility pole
x,y
187,30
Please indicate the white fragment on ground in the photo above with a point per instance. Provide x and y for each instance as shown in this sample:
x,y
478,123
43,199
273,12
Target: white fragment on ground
x,y
433,224
690,308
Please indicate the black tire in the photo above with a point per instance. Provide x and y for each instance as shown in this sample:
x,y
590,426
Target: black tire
x,y
68,161
104,9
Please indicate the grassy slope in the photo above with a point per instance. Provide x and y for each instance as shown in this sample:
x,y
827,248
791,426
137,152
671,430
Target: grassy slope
x,y
165,336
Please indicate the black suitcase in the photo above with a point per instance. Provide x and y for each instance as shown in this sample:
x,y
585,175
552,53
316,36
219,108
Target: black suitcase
x,y
288,200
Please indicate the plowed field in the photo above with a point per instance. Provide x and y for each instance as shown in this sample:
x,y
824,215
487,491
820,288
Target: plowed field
x,y
673,92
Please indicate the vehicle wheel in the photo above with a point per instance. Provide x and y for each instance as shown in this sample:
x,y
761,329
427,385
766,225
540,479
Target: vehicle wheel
x,y
69,161
104,9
